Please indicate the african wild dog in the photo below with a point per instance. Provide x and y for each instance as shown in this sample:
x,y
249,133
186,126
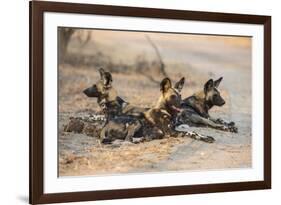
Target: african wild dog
x,y
168,106
196,108
111,104
155,123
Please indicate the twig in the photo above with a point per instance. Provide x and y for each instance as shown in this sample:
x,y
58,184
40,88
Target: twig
x,y
162,65
150,78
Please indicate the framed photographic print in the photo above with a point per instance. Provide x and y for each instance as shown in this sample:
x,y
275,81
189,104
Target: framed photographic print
x,y
139,102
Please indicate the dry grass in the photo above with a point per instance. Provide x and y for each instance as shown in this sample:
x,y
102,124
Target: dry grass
x,y
103,159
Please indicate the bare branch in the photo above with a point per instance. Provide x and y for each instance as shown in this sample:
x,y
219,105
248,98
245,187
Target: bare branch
x,y
64,39
162,65
150,78
142,66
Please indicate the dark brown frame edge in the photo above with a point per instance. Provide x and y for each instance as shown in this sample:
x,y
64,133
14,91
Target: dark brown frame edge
x,y
37,8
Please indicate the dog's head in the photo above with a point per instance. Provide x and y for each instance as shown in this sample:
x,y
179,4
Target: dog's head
x,y
170,99
104,92
212,94
102,87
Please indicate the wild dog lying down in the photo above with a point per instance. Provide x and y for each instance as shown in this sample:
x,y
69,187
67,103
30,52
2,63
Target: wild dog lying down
x,y
155,122
196,108
107,98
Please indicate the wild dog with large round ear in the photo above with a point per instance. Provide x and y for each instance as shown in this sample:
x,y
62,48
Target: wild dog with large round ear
x,y
106,95
170,98
103,88
196,107
167,107
107,98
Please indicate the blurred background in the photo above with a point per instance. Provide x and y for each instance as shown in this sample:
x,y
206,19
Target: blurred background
x,y
140,60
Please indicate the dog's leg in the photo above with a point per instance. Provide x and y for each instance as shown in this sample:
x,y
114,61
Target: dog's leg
x,y
216,120
185,129
104,138
200,137
201,120
94,118
230,125
197,119
221,121
132,129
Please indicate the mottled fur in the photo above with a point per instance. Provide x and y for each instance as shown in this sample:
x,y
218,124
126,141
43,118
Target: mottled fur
x,y
154,123
196,108
123,123
168,105
111,104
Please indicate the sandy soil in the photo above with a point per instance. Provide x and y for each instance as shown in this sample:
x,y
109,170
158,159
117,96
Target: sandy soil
x,y
198,58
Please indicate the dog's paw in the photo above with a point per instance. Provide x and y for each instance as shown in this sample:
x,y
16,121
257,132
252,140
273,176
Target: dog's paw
x,y
224,128
225,123
233,129
228,128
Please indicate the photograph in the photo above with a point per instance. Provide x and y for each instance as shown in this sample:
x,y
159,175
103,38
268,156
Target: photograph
x,y
129,102
152,102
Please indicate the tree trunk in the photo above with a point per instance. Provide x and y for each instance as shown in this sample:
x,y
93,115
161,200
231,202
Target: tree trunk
x,y
63,42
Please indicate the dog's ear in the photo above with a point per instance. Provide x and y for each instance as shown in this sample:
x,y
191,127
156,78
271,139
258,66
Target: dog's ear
x,y
105,77
179,85
217,82
209,85
101,71
165,85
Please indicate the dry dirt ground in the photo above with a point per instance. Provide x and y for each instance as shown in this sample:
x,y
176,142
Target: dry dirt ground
x,y
198,58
